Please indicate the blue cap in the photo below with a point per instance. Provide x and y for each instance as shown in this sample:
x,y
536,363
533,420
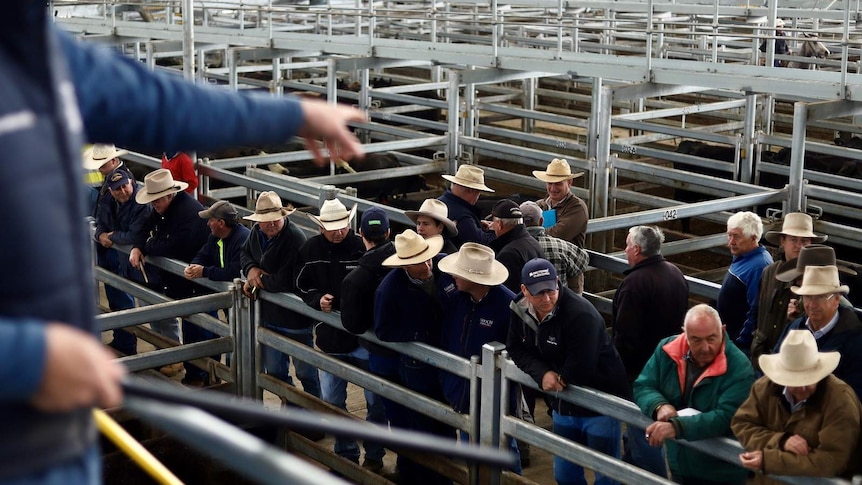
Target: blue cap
x,y
117,178
374,223
539,275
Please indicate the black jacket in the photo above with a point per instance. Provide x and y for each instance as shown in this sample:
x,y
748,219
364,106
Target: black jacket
x,y
320,268
649,305
357,294
177,234
514,249
574,343
278,260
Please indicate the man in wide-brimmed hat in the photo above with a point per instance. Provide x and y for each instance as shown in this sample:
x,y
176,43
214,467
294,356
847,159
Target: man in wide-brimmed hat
x,y
799,419
408,307
103,159
835,327
467,183
176,232
565,215
268,258
432,219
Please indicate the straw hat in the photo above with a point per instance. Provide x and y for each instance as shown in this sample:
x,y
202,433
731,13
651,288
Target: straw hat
x,y
820,280
558,170
268,208
97,155
798,363
475,262
795,224
159,183
470,177
811,255
333,215
411,248
437,210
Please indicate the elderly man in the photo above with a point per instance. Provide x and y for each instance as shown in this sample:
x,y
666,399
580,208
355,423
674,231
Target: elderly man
x,y
649,305
796,233
737,299
514,245
692,385
268,258
218,260
799,419
559,338
790,273
122,222
467,183
566,215
835,327
568,259
321,265
432,219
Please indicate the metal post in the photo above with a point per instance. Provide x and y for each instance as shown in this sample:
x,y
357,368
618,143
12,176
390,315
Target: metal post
x,y
748,137
188,40
327,192
243,330
452,148
332,98
490,416
795,197
528,124
254,362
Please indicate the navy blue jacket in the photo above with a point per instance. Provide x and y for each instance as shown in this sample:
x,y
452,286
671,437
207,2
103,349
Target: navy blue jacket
x,y
357,294
738,297
467,326
514,249
403,312
208,255
467,219
57,92
126,221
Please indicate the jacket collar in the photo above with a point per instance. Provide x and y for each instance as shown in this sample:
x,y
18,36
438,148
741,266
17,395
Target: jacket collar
x,y
677,349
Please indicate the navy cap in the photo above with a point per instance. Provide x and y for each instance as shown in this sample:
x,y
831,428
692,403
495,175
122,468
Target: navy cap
x,y
374,223
506,209
539,275
117,178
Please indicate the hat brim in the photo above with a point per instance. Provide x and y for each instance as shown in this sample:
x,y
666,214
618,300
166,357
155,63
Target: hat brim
x,y
770,364
497,276
469,185
91,164
435,244
144,197
774,237
809,290
552,179
787,271
541,286
449,226
336,224
270,216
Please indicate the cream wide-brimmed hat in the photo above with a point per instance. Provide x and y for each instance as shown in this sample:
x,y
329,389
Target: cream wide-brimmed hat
x,y
820,280
159,183
333,215
411,248
268,208
437,210
471,177
475,262
557,171
99,154
798,362
795,224
811,255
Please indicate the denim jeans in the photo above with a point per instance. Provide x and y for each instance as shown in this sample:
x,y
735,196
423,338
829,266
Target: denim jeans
x,y
277,364
85,469
600,433
640,453
334,391
124,341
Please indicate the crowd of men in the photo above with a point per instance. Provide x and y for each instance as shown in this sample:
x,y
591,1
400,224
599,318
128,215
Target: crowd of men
x,y
459,281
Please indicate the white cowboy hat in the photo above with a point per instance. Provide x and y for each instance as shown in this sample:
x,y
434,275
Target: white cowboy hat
x,y
470,177
437,210
268,208
158,183
97,155
798,363
557,171
333,215
795,224
820,280
411,248
475,262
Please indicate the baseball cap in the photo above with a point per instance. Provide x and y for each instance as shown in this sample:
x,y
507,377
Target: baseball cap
x,y
117,178
220,210
532,213
539,275
374,222
506,209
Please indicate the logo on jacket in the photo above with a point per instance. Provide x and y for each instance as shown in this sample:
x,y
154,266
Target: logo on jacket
x,y
552,341
485,322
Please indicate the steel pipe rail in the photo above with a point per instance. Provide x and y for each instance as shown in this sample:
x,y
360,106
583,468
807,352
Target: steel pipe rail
x,y
181,353
159,311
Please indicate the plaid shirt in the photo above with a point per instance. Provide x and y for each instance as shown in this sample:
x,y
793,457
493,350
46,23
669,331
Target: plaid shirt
x,y
567,258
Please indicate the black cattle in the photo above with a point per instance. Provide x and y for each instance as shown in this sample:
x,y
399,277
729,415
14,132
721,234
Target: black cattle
x,y
819,162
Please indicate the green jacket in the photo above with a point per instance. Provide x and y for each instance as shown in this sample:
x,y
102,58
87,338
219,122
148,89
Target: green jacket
x,y
717,394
